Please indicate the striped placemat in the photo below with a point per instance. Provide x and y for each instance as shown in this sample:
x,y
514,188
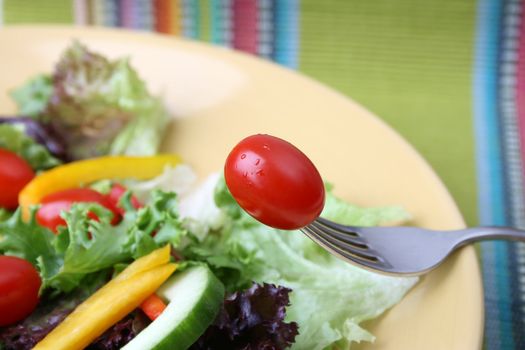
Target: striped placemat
x,y
448,75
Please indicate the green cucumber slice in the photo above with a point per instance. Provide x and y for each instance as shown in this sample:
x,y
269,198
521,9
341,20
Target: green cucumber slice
x,y
194,297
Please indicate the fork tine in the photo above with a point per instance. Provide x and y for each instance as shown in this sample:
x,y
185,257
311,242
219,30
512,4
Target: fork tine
x,y
359,251
346,236
337,227
377,265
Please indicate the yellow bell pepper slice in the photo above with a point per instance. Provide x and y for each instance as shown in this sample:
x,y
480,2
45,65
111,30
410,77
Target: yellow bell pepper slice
x,y
83,172
158,257
92,318
109,304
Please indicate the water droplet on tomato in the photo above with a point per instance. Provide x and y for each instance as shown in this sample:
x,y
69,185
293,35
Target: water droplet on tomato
x,y
260,173
265,146
257,161
243,156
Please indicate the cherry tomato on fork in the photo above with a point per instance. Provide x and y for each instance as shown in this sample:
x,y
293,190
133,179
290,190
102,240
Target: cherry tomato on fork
x,y
274,182
48,214
19,285
15,173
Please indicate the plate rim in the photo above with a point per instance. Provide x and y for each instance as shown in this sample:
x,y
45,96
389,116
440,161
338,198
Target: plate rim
x,y
172,40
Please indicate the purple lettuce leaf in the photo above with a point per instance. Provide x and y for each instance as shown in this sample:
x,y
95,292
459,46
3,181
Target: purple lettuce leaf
x,y
101,106
41,133
50,311
251,320
122,332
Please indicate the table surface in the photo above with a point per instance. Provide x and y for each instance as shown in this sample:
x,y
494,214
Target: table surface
x,y
449,75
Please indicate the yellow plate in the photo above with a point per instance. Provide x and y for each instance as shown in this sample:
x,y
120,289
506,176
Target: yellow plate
x,y
218,97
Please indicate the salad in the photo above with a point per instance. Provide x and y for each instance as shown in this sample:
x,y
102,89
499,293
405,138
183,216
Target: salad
x,y
107,244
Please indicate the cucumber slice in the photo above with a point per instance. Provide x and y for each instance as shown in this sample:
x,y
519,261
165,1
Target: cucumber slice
x,y
194,297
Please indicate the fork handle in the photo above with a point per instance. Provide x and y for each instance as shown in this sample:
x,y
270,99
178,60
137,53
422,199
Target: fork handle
x,y
483,233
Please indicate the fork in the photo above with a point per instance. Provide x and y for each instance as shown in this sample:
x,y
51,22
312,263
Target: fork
x,y
409,251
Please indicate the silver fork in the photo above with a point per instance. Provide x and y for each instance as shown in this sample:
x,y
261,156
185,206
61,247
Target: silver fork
x,y
399,250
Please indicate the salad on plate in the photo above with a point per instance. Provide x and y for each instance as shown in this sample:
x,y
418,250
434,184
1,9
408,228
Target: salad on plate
x,y
105,243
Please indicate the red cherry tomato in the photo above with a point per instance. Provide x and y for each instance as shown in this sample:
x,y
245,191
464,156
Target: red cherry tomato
x,y
274,182
48,214
117,191
19,285
15,173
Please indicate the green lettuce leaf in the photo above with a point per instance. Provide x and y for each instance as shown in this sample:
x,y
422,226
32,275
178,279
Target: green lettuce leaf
x,y
4,214
330,298
100,106
33,97
196,204
13,138
344,213
26,240
87,246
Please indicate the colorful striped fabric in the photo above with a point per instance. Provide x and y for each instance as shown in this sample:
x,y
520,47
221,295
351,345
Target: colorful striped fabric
x,y
449,75
499,97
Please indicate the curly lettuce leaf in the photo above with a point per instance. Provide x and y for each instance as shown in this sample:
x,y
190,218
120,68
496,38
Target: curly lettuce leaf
x,y
330,298
251,319
13,138
87,246
26,240
84,246
41,133
101,106
96,105
33,97
196,205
